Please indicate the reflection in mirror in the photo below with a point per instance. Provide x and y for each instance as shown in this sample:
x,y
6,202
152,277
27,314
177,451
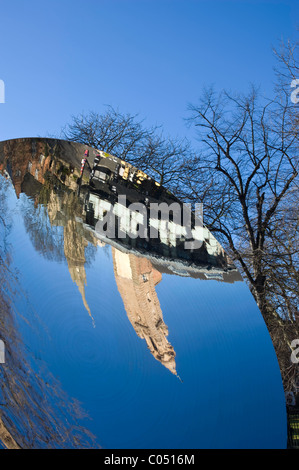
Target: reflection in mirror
x,y
35,411
92,247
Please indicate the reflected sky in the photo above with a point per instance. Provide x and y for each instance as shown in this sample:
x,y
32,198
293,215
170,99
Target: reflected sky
x,y
155,359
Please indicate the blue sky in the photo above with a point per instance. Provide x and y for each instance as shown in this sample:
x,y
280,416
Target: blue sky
x,y
151,57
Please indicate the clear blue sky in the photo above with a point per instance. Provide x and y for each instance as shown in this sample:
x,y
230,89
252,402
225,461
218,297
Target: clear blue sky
x,y
151,57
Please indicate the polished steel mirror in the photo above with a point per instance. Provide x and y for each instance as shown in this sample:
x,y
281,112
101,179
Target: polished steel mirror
x,y
123,321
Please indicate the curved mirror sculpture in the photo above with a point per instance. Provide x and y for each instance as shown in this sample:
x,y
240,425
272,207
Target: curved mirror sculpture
x,y
123,322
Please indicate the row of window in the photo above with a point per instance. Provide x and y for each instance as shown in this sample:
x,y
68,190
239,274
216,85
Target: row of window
x,y
18,173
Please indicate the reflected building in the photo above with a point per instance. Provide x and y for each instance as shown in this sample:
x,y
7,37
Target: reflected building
x,y
136,280
48,171
167,249
74,243
37,157
109,179
136,277
74,250
29,163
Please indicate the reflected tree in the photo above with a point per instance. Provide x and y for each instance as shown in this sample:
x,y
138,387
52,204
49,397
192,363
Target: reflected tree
x,y
34,410
45,218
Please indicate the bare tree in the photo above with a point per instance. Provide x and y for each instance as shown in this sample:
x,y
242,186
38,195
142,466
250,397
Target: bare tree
x,y
124,136
113,132
248,181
